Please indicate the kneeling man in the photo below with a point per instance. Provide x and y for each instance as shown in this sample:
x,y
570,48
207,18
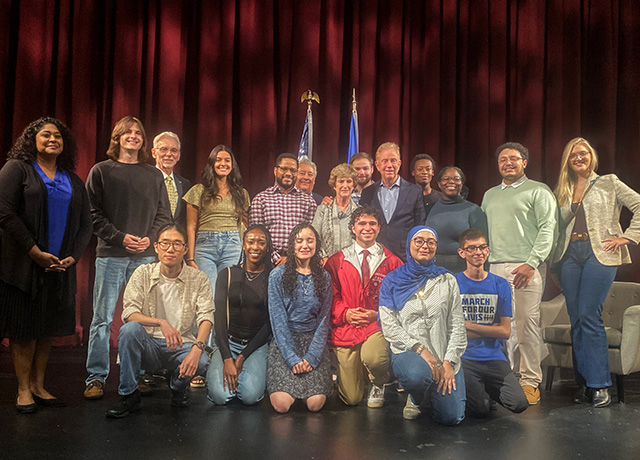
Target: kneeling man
x,y
161,302
486,303
358,343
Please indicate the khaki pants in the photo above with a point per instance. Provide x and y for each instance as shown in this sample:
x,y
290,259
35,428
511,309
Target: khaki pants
x,y
372,355
524,347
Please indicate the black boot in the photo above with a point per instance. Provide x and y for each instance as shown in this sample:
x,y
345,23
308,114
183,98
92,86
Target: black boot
x,y
583,395
126,405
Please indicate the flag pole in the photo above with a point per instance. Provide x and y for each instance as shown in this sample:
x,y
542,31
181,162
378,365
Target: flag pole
x,y
306,145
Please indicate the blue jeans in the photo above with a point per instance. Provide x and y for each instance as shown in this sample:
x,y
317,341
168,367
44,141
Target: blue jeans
x,y
414,375
251,381
111,274
585,285
213,252
138,350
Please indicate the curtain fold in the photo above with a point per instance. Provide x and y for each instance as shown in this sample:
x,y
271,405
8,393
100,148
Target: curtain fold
x,y
452,79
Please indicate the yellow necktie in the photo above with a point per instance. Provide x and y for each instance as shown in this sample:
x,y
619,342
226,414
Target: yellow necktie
x,y
173,195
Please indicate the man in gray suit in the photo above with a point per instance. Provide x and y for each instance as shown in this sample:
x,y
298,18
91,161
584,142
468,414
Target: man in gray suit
x,y
166,152
399,201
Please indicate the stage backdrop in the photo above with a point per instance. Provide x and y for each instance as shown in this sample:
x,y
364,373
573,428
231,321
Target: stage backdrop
x,y
453,79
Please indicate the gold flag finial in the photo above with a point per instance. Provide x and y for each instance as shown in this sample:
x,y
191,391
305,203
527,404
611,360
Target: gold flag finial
x,y
310,97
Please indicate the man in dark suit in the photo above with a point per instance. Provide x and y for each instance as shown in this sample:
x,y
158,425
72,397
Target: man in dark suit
x,y
166,151
399,201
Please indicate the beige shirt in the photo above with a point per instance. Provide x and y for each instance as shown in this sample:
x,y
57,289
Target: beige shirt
x,y
218,215
194,288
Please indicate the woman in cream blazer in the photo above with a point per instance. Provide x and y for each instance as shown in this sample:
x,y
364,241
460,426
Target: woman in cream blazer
x,y
592,245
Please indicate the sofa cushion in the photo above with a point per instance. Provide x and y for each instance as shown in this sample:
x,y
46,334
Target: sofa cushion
x,y
561,334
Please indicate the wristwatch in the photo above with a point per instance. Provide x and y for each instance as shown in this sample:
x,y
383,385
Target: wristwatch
x,y
199,344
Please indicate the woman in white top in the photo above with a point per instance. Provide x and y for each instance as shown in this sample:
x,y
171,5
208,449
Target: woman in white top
x,y
592,245
421,318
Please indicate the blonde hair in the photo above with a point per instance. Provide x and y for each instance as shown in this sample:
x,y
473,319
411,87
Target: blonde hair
x,y
567,178
342,170
388,145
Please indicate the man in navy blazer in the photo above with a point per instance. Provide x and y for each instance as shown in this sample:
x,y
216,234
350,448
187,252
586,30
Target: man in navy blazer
x,y
399,201
166,151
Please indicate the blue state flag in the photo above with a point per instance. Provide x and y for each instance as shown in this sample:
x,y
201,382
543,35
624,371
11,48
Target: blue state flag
x,y
353,136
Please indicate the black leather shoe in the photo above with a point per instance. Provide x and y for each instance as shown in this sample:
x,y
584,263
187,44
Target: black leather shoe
x,y
53,402
180,398
601,397
583,395
25,408
126,405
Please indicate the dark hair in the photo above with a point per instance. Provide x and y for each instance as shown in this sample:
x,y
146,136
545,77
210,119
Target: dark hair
x,y
361,155
290,276
234,180
172,226
282,156
515,146
455,168
422,156
268,266
471,234
364,209
25,147
119,129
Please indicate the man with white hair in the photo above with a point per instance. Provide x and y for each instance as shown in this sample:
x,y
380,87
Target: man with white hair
x,y
307,173
166,152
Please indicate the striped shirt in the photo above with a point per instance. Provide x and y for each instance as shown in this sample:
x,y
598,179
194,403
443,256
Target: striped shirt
x,y
280,211
432,317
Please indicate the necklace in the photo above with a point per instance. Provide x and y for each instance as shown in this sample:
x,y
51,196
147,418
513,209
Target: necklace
x,y
251,276
307,284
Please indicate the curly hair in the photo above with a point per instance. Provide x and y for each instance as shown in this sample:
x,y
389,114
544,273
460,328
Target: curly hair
x,y
234,180
290,276
119,129
25,147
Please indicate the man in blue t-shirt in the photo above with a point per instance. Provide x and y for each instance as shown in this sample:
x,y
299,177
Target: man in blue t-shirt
x,y
486,303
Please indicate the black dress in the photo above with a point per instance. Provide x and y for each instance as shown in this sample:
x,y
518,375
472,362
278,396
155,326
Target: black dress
x,y
34,303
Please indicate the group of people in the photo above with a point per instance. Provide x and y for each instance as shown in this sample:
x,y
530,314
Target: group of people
x,y
384,280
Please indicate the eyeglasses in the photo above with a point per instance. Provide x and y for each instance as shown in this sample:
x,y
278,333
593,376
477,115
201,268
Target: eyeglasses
x,y
576,155
512,159
455,180
167,149
286,169
177,245
472,249
419,242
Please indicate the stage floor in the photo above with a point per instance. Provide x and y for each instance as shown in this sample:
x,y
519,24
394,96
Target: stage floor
x,y
554,429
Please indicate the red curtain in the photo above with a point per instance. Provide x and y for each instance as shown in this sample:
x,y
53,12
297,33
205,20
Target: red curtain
x,y
453,79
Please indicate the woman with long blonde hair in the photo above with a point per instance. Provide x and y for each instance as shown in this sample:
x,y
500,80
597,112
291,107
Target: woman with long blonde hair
x,y
592,245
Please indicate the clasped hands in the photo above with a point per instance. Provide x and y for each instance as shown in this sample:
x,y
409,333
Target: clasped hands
x,y
442,374
135,244
360,317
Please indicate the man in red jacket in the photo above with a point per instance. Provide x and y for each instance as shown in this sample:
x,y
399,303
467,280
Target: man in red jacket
x,y
357,341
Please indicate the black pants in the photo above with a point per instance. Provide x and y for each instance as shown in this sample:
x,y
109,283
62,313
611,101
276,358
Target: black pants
x,y
487,380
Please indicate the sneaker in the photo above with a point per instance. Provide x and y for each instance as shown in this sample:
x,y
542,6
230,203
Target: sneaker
x,y
601,397
376,396
411,410
126,405
144,388
180,398
532,394
94,390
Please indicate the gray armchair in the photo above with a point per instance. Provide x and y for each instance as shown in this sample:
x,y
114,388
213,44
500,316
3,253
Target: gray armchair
x,y
621,315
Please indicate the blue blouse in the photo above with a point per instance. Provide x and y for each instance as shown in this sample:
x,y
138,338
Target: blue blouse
x,y
303,314
59,197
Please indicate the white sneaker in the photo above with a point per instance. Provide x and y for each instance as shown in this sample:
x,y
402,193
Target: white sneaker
x,y
411,410
376,396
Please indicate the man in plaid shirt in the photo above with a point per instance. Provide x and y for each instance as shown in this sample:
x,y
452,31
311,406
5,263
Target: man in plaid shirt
x,y
282,206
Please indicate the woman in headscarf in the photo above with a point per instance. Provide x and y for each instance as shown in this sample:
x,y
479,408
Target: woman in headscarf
x,y
421,318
